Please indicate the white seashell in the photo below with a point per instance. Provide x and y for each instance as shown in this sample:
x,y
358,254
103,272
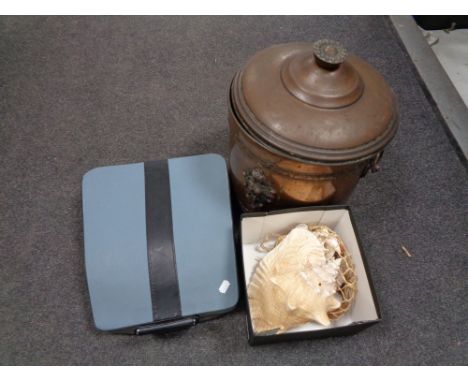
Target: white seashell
x,y
295,283
332,243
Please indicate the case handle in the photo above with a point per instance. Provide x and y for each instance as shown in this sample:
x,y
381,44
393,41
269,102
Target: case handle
x,y
166,326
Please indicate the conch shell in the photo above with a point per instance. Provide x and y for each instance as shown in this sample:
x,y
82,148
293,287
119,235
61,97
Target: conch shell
x,y
295,283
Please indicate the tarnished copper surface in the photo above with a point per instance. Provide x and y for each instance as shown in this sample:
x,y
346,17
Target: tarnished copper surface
x,y
311,119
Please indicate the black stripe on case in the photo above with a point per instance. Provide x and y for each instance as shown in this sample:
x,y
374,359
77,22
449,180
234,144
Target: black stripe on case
x,y
164,284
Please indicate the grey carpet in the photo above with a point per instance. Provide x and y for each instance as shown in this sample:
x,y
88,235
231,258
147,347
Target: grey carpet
x,y
76,93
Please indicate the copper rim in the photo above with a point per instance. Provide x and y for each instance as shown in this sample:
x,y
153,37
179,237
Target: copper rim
x,y
296,151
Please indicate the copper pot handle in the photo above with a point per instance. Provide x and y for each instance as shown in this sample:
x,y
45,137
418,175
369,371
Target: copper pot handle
x,y
373,164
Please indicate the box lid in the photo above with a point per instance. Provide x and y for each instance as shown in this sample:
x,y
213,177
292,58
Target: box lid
x,y
159,241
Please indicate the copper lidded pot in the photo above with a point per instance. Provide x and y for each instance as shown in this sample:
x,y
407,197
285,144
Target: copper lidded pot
x,y
307,121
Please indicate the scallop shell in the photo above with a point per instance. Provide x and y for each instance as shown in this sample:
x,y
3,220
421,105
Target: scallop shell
x,y
294,284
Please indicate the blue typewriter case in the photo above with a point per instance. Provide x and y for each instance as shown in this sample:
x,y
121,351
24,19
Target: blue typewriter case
x,y
159,245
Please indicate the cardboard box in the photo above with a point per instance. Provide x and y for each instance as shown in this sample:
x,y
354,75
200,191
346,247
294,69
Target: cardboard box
x,y
254,227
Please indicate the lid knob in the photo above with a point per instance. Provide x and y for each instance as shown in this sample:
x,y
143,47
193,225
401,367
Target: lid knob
x,y
322,76
329,53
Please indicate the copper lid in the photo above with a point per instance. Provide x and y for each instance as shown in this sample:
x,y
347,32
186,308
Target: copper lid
x,y
315,102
